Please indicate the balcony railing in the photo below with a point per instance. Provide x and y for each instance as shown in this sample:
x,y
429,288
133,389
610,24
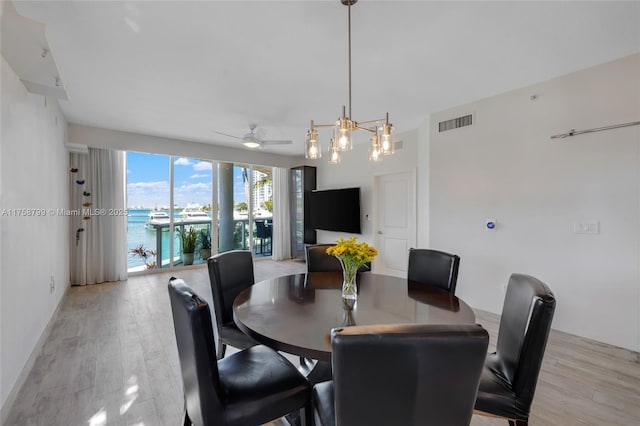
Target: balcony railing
x,y
262,242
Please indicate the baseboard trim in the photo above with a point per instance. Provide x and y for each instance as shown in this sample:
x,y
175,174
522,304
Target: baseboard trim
x,y
22,377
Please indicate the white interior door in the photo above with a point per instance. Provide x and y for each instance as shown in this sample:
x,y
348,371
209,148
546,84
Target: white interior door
x,y
396,222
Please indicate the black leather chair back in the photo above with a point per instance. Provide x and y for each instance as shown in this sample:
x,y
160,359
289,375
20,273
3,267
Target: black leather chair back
x,y
319,261
527,313
229,273
434,267
196,349
407,374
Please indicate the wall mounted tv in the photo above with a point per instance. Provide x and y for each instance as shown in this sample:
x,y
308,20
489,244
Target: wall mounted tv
x,y
336,210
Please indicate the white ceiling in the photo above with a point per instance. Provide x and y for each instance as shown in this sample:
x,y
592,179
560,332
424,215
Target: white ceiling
x,y
188,69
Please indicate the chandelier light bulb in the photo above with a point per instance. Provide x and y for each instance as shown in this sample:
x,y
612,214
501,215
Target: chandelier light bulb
x,y
386,142
343,143
342,133
334,156
387,145
311,145
374,148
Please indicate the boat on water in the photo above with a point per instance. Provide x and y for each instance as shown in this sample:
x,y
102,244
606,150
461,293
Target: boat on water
x,y
157,217
193,213
257,214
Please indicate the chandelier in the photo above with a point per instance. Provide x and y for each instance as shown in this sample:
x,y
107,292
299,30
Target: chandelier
x,y
381,140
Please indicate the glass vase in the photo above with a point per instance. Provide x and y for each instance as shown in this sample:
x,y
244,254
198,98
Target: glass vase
x,y
349,287
347,308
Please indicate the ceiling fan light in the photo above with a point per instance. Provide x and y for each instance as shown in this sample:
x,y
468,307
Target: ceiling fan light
x,y
251,144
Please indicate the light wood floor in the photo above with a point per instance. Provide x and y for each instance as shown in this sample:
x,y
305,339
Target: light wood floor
x,y
111,359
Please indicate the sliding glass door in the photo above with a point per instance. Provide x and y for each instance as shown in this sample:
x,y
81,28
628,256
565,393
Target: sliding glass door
x,y
245,201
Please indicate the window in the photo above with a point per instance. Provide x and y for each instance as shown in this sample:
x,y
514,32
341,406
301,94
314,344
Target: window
x,y
172,213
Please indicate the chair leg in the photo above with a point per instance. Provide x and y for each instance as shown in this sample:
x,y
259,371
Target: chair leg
x,y
222,348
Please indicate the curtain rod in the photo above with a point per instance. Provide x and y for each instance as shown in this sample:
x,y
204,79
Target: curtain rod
x,y
574,132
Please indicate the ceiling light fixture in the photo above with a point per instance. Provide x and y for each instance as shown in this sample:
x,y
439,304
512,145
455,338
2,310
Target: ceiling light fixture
x,y
250,143
381,139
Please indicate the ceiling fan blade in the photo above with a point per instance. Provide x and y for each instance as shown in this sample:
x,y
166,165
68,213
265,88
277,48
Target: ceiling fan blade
x,y
231,136
276,142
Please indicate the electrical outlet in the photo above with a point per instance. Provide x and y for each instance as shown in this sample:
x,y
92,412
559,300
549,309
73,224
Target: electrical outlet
x,y
52,283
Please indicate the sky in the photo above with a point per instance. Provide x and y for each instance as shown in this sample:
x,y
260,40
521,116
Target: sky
x,y
148,181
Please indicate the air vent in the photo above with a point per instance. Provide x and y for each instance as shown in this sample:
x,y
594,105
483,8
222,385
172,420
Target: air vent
x,y
454,123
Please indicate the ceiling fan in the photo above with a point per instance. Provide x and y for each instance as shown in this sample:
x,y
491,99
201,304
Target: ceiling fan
x,y
253,140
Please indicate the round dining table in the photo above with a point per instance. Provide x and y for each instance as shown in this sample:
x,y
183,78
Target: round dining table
x,y
296,313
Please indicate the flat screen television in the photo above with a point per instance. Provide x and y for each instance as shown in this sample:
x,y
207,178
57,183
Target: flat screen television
x,y
336,210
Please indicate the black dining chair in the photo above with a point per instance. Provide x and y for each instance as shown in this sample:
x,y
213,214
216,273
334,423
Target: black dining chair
x,y
407,374
264,235
434,267
510,374
319,261
251,387
229,273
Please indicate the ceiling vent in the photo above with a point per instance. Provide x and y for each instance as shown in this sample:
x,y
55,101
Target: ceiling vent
x,y
454,123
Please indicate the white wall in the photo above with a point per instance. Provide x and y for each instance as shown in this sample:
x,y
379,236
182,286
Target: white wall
x,y
506,167
355,170
33,175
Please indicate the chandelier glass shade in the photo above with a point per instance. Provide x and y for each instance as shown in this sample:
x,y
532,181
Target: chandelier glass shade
x,y
381,140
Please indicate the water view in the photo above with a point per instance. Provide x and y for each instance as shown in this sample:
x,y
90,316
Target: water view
x,y
137,233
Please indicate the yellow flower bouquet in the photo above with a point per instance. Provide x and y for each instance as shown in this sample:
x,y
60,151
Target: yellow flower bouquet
x,y
352,256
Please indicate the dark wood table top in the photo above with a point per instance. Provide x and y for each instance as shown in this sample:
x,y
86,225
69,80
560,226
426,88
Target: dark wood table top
x,y
295,313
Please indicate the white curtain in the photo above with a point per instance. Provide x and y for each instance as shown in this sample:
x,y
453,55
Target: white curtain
x,y
281,240
98,217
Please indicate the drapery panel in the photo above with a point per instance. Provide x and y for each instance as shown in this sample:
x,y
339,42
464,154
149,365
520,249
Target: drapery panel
x,y
281,215
98,217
